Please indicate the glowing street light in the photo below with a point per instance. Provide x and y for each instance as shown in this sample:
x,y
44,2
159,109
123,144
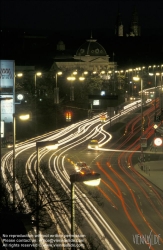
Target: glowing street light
x,y
56,90
136,78
155,75
71,79
36,74
81,78
75,73
50,145
91,179
19,74
22,117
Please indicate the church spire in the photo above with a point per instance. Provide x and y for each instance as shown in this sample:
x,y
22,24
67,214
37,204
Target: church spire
x,y
118,25
134,25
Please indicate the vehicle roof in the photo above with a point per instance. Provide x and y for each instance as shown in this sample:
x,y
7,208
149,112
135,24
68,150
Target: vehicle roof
x,y
81,163
94,141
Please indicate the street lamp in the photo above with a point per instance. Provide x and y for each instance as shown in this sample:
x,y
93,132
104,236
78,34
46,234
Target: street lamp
x,y
36,74
35,120
22,117
50,145
155,75
91,179
56,90
142,128
161,92
81,78
19,74
71,79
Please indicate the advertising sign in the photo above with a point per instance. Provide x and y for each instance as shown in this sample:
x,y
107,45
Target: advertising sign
x,y
7,74
96,102
7,87
7,109
2,129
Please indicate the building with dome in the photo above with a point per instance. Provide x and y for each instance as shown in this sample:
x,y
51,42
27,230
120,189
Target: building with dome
x,y
90,56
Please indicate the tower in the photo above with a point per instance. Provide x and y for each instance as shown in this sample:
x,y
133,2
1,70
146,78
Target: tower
x,y
119,26
134,25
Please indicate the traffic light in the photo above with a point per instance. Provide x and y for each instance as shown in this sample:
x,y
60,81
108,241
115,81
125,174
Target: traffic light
x,y
68,116
157,118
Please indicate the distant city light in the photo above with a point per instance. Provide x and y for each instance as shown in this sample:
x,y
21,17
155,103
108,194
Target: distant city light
x,y
102,92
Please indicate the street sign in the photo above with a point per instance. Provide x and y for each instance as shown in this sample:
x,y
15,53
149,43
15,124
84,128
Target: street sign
x,y
158,141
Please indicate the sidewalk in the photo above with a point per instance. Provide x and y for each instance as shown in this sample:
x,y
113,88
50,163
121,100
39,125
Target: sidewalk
x,y
153,169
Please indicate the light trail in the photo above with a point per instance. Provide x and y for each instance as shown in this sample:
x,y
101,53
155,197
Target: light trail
x,y
68,138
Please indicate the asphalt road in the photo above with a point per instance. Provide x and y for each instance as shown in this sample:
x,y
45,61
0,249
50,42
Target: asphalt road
x,y
124,211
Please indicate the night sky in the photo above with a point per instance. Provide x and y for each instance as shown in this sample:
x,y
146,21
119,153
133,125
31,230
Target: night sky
x,y
79,15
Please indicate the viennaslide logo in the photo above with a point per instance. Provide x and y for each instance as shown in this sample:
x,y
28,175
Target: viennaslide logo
x,y
148,239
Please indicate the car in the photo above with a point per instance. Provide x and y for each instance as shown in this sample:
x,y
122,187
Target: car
x,y
85,170
80,165
103,118
93,144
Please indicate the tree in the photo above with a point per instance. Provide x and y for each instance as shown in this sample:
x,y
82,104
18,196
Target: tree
x,y
52,207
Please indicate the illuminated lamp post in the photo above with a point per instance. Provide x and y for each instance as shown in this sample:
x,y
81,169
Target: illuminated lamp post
x,y
85,72
155,75
71,79
81,78
102,73
22,117
142,128
56,90
36,74
19,74
50,145
91,179
161,95
131,82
